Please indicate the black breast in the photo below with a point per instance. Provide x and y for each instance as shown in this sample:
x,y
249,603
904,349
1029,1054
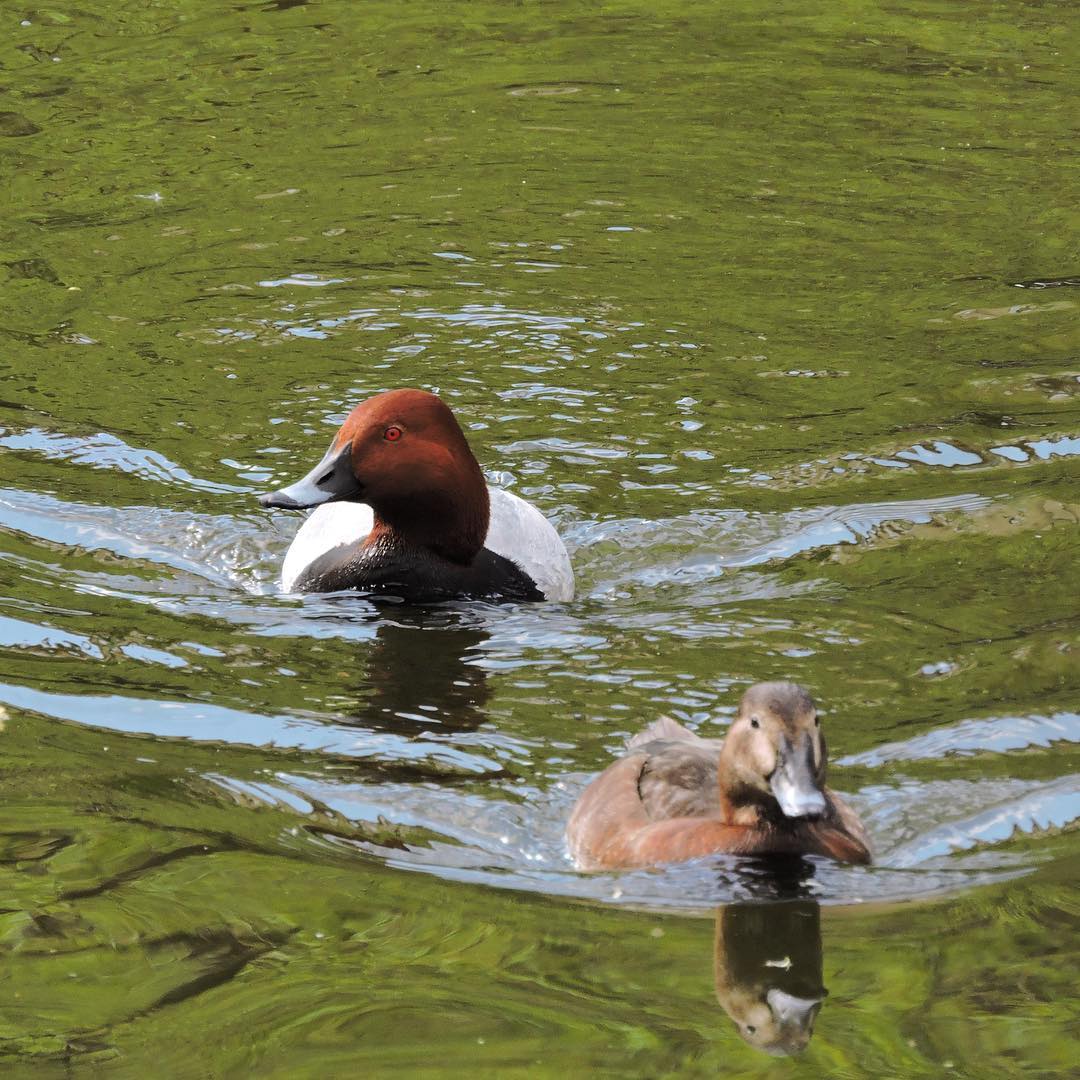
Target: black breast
x,y
417,575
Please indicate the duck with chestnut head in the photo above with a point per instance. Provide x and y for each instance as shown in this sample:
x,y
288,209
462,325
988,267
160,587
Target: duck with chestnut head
x,y
759,791
403,510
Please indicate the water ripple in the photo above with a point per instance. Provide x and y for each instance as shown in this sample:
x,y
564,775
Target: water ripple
x,y
106,451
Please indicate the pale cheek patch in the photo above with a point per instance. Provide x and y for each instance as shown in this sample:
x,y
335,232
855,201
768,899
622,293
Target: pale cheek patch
x,y
763,756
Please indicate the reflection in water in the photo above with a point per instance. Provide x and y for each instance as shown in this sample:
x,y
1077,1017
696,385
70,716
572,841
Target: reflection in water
x,y
423,675
768,972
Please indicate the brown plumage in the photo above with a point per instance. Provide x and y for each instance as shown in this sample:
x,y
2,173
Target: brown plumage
x,y
759,791
425,486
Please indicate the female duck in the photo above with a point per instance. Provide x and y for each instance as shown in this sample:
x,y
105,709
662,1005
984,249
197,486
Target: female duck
x,y
412,516
760,791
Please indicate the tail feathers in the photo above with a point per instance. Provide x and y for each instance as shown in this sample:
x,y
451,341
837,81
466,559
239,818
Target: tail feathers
x,y
664,728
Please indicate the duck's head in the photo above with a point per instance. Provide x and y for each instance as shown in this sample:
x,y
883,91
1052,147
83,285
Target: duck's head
x,y
404,454
773,1020
774,752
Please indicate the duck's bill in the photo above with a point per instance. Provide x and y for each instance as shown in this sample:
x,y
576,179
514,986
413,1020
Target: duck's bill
x,y
795,788
332,480
789,1009
794,1018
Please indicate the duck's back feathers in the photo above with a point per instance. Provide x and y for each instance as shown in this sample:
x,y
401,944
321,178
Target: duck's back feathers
x,y
679,779
664,728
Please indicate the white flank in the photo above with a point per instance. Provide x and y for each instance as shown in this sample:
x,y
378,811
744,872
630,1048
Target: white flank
x,y
327,527
520,533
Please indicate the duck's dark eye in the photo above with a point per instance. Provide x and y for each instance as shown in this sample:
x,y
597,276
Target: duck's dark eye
x,y
392,434
750,1029
754,722
817,721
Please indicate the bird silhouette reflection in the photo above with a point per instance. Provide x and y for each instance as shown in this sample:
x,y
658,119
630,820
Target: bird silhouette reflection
x,y
768,971
424,676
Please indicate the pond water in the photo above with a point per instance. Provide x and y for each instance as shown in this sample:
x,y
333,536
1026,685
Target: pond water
x,y
773,312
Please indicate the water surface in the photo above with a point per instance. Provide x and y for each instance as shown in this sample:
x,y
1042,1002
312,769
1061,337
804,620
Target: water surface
x,y
773,313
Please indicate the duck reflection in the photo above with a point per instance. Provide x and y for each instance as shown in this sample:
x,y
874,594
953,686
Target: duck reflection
x,y
424,677
767,962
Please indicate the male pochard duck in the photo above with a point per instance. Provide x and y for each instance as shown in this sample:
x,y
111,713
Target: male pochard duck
x,y
411,515
759,791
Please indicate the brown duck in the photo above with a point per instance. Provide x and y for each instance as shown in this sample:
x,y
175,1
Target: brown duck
x,y
759,791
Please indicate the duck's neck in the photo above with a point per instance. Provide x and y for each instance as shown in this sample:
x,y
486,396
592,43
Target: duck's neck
x,y
746,806
450,525
746,814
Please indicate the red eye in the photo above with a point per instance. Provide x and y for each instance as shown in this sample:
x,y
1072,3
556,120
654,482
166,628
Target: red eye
x,y
392,434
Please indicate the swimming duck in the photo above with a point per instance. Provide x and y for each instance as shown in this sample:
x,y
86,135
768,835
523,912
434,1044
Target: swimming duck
x,y
411,516
759,791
